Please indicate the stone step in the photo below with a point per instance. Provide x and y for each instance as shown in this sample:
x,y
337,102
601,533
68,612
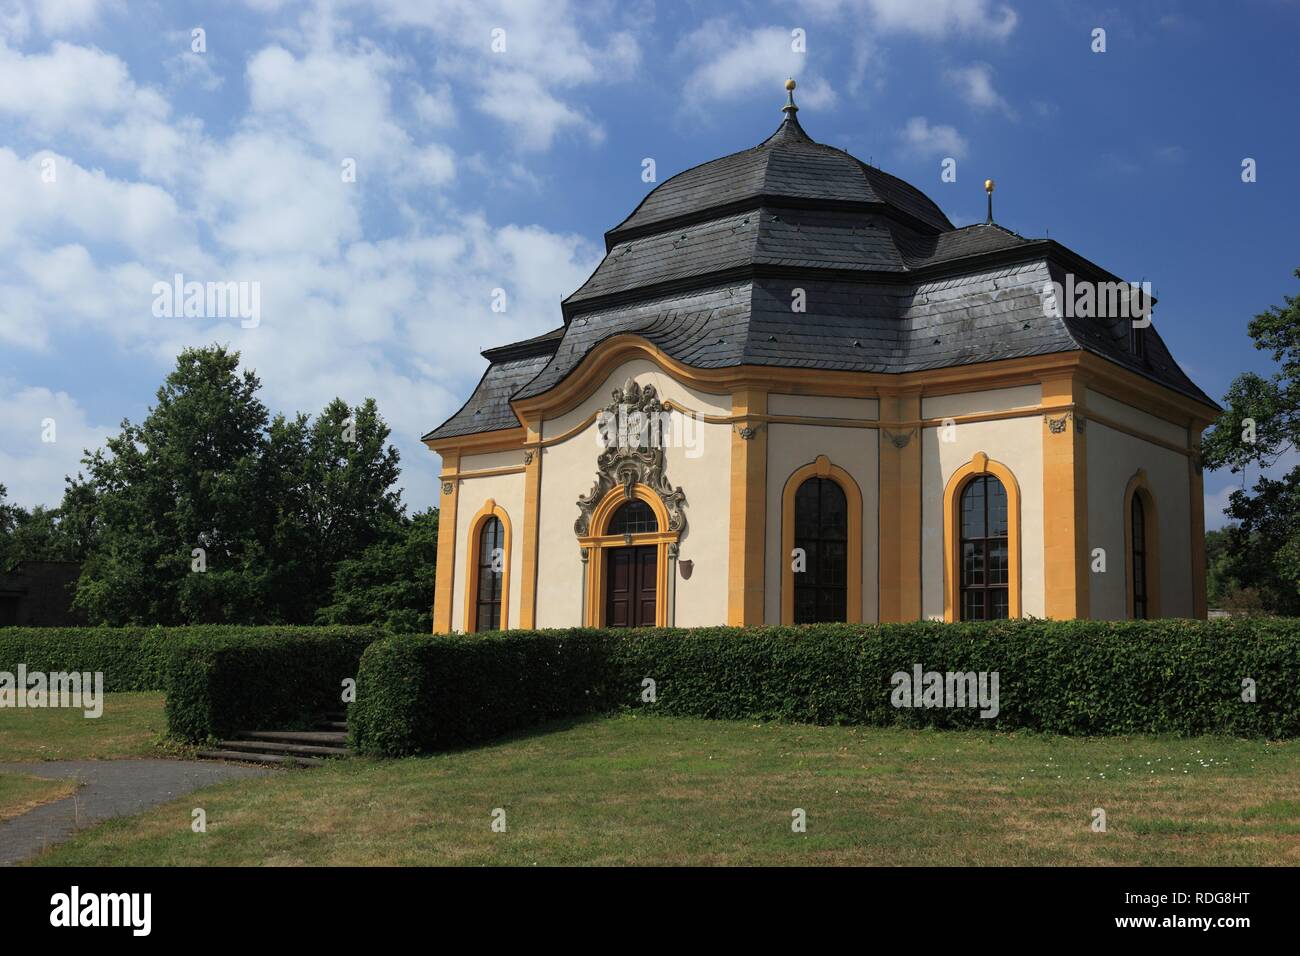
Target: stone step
x,y
243,756
334,725
270,747
320,738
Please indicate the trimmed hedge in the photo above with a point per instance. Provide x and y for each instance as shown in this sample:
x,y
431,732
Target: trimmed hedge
x,y
217,679
428,693
223,680
130,658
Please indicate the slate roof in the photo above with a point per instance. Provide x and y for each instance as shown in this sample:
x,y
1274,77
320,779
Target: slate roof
x,y
704,268
787,164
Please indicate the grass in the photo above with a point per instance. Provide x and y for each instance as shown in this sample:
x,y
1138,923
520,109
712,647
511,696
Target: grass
x,y
132,725
637,789
20,793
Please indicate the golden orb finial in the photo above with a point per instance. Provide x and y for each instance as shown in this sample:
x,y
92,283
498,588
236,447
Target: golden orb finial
x,y
988,185
789,109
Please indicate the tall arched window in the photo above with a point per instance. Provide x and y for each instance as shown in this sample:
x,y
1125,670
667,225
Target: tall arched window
x,y
821,533
985,550
1138,557
821,545
1141,548
491,571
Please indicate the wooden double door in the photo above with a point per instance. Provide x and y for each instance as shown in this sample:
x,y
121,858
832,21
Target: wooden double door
x,y
630,586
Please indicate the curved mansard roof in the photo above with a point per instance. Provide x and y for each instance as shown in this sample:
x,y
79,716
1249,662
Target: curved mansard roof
x,y
789,164
703,268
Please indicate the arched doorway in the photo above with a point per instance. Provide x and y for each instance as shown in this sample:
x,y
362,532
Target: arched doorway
x,y
631,580
627,558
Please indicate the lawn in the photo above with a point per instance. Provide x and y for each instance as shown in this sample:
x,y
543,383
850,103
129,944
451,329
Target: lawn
x,y
637,789
132,725
20,792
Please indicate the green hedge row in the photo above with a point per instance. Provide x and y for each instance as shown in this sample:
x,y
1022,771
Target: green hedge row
x,y
130,658
217,679
259,678
427,693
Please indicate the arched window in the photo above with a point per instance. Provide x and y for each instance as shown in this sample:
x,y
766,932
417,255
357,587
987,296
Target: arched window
x,y
491,570
821,533
1141,548
821,545
985,550
1138,557
634,517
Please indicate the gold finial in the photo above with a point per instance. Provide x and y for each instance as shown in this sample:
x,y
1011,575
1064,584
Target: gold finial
x,y
789,107
988,185
988,188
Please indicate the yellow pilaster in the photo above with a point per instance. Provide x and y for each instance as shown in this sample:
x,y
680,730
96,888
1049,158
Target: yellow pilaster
x,y
748,507
1196,484
1066,556
532,522
899,504
444,581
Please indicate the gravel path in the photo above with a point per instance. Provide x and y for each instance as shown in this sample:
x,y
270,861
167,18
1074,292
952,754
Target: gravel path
x,y
110,788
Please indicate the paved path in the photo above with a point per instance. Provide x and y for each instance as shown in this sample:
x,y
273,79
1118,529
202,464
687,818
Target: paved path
x,y
110,788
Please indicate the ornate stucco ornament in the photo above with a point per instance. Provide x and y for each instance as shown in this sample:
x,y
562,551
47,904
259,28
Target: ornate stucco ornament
x,y
632,434
899,439
1057,426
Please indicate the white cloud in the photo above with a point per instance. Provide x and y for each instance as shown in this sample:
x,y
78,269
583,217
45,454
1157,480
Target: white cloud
x,y
189,68
548,52
921,138
731,61
52,17
33,469
69,83
520,100
975,85
934,19
87,96
264,194
436,108
142,218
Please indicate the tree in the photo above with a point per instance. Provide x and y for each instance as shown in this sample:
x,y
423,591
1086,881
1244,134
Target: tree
x,y
211,511
46,534
390,583
1260,425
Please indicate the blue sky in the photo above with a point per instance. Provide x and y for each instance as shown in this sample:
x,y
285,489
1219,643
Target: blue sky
x,y
481,169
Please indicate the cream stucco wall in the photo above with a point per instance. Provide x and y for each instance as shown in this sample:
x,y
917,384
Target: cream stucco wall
x,y
975,403
508,491
823,406
703,472
857,451
1103,406
1016,443
1113,458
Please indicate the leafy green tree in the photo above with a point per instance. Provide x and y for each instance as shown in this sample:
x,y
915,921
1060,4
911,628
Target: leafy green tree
x,y
175,493
1260,425
390,583
211,511
10,515
46,534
